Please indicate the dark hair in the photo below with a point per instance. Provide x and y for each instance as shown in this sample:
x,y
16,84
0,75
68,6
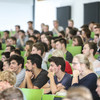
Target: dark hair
x,y
7,62
22,31
39,46
11,93
36,32
1,65
45,47
61,40
18,59
97,35
30,22
87,32
34,37
93,46
35,58
84,26
6,31
17,51
62,33
58,61
13,38
17,26
11,47
79,39
73,31
6,54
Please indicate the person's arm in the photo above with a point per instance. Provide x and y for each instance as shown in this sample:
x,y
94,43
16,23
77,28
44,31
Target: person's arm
x,y
75,76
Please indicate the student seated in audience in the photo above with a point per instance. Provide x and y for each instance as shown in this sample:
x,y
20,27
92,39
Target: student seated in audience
x,y
89,50
98,86
37,35
6,65
1,65
30,24
56,28
15,52
83,74
38,48
61,45
17,66
7,80
5,56
13,41
9,48
22,40
12,94
96,38
28,48
59,53
46,28
33,38
71,23
30,32
67,35
78,93
35,77
58,79
5,36
43,36
77,41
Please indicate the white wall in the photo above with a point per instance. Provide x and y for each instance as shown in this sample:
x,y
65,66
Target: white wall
x,y
46,11
15,12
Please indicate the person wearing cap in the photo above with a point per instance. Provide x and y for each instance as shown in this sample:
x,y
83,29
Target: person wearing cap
x,y
35,76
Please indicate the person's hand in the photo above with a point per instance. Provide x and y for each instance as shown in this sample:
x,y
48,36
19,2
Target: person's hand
x,y
28,74
50,74
76,73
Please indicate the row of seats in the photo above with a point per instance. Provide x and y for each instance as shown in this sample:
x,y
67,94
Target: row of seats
x,y
38,94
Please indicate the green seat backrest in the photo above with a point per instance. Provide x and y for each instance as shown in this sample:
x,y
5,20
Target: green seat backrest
x,y
92,34
3,46
22,53
74,50
48,97
32,94
1,33
1,51
96,56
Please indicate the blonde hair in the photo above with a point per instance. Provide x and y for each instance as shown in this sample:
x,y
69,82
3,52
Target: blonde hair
x,y
58,53
79,93
84,60
8,76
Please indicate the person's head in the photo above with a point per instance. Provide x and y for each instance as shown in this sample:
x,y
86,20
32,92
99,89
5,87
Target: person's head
x,y
45,28
38,48
55,23
33,38
6,34
70,23
72,32
30,24
42,26
67,30
91,26
7,41
11,94
30,32
1,65
62,34
34,61
78,93
96,38
21,33
98,86
37,34
16,63
89,49
9,48
17,28
28,45
8,79
6,65
86,33
60,43
15,52
57,64
5,56
43,35
81,63
96,28
77,41
13,40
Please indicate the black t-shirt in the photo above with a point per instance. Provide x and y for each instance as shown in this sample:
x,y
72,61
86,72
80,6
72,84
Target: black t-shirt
x,y
41,79
69,57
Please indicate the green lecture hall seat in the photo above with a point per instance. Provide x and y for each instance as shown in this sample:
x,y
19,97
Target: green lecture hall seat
x,y
33,94
74,50
3,46
48,97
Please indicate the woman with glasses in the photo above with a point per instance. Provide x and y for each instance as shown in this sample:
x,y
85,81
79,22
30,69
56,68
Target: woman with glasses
x,y
83,74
